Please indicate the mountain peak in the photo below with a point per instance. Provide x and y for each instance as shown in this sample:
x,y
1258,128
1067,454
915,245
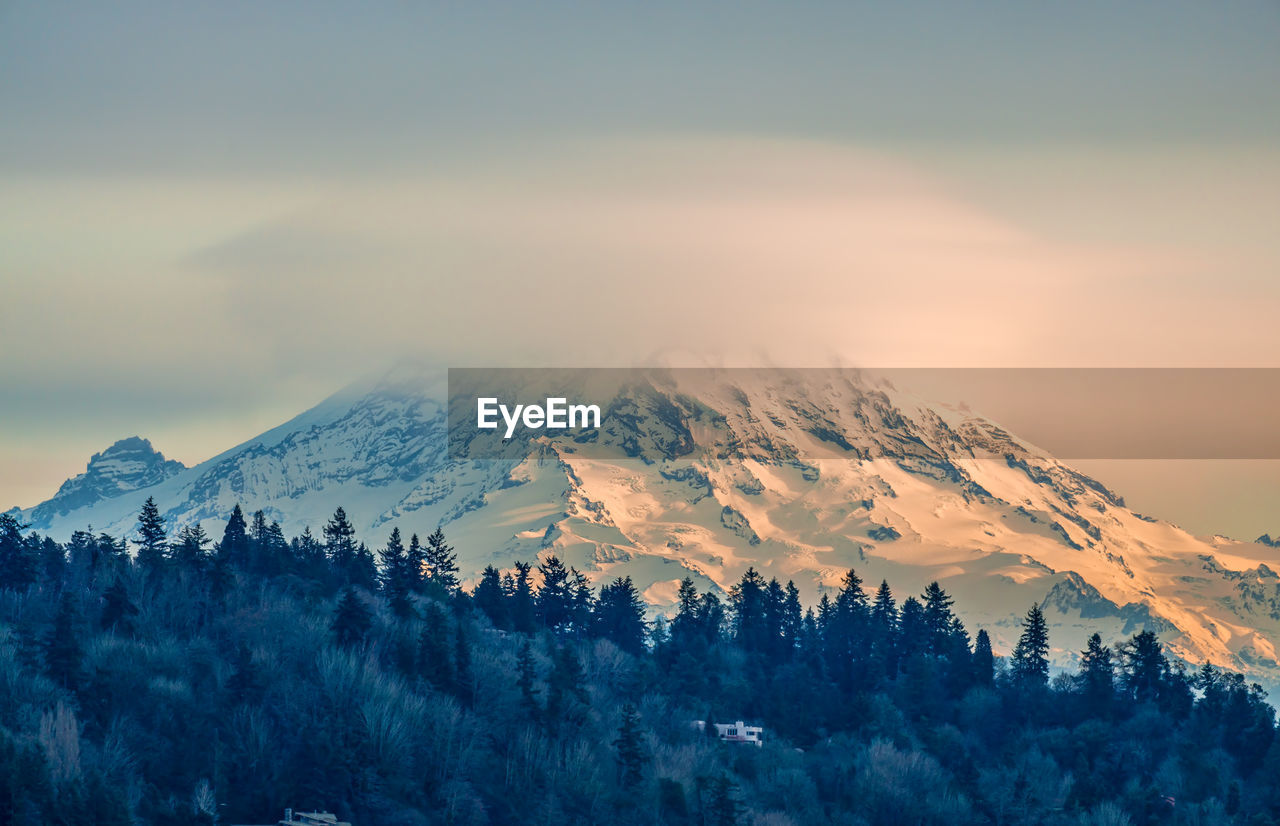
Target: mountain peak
x,y
129,444
128,465
800,480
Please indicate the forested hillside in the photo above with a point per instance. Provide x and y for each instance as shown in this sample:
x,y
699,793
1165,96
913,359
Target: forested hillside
x,y
172,679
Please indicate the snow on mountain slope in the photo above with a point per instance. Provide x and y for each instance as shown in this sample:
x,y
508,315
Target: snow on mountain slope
x,y
706,478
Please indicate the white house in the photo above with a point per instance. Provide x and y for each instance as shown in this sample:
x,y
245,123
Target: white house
x,y
738,732
292,818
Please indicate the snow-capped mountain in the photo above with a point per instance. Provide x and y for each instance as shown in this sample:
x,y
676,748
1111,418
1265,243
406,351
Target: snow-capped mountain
x,y
128,465
704,479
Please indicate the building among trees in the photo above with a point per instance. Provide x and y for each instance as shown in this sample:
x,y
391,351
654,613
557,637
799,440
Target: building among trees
x,y
292,818
737,732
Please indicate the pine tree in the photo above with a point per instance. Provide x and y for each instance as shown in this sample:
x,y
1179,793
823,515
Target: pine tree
x,y
435,661
397,580
278,551
1144,666
1097,671
884,629
1030,660
112,553
118,610
190,551
312,560
711,615
554,599
230,555
629,746
364,568
581,603
18,566
984,660
221,577
940,620
811,641
525,680
619,616
464,681
792,620
417,563
62,653
340,545
234,547
52,559
1207,680
912,639
750,626
851,601
269,551
724,808
80,553
523,606
846,634
352,621
686,625
775,601
259,554
441,564
825,609
565,685
152,539
489,598
673,805
959,659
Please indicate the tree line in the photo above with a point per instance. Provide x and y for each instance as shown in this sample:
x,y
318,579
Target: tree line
x,y
194,681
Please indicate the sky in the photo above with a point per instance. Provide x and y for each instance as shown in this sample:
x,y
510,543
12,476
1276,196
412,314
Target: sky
x,y
214,215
